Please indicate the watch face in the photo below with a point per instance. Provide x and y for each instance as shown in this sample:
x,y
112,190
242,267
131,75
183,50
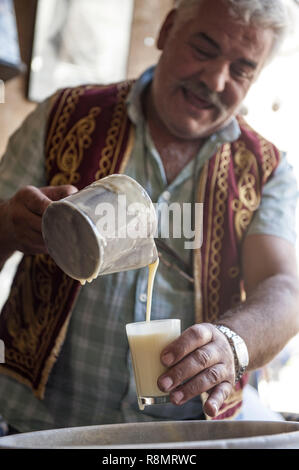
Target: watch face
x,y
241,351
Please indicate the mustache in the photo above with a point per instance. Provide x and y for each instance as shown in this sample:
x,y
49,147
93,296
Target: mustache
x,y
201,91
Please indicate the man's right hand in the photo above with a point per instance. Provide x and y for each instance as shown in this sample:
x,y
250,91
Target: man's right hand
x,y
22,217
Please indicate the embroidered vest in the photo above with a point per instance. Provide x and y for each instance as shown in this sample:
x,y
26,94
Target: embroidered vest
x,y
231,189
90,136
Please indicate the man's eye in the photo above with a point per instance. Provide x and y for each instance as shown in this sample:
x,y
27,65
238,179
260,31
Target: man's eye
x,y
201,53
241,72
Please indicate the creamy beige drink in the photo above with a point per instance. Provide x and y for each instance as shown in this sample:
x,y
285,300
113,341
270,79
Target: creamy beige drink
x,y
147,340
147,348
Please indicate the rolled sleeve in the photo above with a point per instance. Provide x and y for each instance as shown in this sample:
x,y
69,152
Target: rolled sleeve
x,y
276,214
23,162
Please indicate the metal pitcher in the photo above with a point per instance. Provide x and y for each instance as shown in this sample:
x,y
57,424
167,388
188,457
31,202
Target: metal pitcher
x,y
107,227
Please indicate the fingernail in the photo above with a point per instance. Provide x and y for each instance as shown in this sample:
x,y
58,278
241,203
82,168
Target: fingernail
x,y
215,407
168,359
178,396
166,383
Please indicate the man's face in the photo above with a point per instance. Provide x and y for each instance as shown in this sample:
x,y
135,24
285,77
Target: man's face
x,y
206,68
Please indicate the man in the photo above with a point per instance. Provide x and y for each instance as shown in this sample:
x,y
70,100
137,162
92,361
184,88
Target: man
x,y
178,135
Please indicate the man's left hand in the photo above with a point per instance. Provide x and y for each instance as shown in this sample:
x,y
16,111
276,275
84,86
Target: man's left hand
x,y
200,360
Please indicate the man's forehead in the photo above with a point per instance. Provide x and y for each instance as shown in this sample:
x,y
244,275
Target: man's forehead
x,y
211,14
218,25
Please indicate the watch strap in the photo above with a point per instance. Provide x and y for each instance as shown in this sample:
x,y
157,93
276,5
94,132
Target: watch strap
x,y
233,339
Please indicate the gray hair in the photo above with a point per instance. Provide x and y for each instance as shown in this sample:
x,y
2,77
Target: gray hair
x,y
268,14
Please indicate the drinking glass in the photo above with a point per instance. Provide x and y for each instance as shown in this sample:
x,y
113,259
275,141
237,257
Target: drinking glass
x,y
146,341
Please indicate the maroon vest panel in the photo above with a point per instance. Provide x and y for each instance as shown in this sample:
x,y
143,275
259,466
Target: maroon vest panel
x,y
89,136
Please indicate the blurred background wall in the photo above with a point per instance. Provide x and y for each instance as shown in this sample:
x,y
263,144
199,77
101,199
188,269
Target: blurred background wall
x,y
16,105
147,16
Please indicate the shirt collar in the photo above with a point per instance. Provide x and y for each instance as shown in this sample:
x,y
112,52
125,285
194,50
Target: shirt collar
x,y
229,133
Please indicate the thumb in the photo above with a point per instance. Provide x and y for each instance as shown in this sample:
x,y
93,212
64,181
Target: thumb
x,y
55,193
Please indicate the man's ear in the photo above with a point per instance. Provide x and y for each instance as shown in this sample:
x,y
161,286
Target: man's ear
x,y
165,29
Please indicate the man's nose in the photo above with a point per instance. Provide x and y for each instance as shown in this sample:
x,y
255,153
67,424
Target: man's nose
x,y
216,75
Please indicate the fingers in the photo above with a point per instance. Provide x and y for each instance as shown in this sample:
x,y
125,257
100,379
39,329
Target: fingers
x,y
55,193
25,212
32,199
217,396
198,361
38,199
199,384
33,221
27,231
32,243
190,340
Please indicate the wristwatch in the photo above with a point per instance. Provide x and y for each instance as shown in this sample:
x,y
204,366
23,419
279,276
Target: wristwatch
x,y
239,349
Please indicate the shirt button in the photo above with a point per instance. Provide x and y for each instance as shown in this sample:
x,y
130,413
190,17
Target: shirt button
x,y
166,195
143,297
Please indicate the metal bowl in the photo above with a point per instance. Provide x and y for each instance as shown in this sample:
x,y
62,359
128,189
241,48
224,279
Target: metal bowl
x,y
169,434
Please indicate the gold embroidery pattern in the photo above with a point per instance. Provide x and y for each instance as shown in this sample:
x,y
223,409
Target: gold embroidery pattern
x,y
234,272
269,158
61,103
248,188
218,234
26,335
197,254
267,150
22,337
65,109
72,148
116,132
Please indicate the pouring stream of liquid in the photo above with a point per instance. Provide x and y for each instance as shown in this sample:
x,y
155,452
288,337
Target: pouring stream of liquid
x,y
152,268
